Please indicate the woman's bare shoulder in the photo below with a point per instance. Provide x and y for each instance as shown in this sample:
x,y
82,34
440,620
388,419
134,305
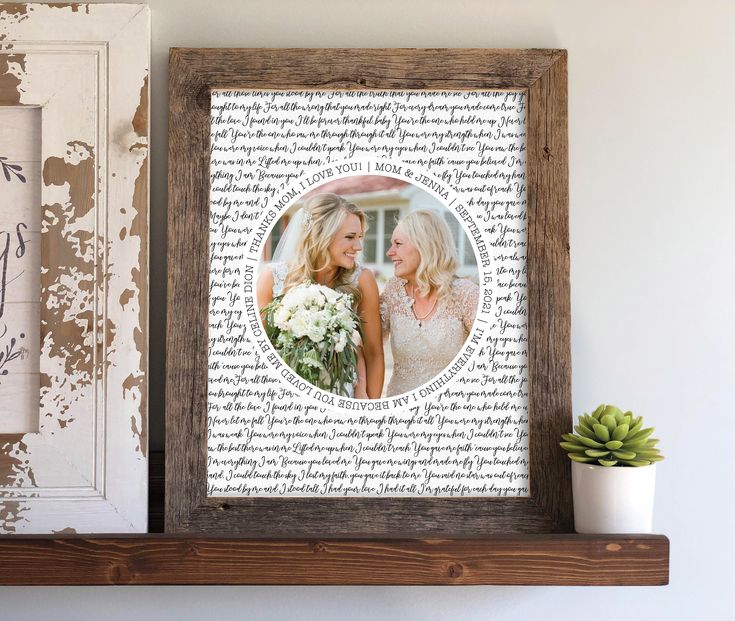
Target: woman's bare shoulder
x,y
367,283
266,277
264,287
366,277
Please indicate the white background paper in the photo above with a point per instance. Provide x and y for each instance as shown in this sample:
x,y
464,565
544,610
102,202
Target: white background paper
x,y
465,432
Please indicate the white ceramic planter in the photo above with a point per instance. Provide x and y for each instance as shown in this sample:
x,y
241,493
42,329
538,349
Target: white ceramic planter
x,y
613,500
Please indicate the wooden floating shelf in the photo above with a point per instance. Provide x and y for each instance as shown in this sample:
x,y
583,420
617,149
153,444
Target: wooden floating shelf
x,y
157,558
558,559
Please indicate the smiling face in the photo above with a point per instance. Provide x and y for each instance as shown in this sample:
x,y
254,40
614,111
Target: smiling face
x,y
404,254
346,243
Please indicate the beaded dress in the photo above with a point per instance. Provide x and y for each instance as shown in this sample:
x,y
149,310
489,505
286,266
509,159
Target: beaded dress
x,y
422,349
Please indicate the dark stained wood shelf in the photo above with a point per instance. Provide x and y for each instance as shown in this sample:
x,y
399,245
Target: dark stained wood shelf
x,y
157,558
557,559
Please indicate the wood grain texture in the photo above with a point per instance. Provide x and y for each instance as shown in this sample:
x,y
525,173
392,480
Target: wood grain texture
x,y
502,560
542,75
549,313
83,466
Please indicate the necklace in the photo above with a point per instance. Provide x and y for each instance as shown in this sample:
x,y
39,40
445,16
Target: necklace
x,y
413,306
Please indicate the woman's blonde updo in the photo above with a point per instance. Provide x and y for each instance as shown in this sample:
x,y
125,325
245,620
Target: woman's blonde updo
x,y
437,268
323,216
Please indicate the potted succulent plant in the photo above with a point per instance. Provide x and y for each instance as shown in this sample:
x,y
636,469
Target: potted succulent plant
x,y
613,472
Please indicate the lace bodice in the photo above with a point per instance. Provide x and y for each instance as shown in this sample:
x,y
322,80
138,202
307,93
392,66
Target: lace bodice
x,y
279,271
421,350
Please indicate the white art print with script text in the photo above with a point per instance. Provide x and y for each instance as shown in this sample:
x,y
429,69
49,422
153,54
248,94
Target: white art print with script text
x,y
452,417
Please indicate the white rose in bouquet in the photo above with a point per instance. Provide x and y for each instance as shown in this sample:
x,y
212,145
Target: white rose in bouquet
x,y
316,332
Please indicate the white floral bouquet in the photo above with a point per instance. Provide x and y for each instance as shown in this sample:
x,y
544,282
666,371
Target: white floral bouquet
x,y
316,332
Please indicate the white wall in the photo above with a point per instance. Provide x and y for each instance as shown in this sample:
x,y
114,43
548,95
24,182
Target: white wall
x,y
652,142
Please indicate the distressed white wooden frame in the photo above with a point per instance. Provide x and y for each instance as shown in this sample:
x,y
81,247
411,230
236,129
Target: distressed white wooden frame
x,y
86,66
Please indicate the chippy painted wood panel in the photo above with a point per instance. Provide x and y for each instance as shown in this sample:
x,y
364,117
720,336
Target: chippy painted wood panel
x,y
20,265
75,460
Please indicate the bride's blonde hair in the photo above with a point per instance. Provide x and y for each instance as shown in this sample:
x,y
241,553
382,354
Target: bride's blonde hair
x,y
429,232
323,216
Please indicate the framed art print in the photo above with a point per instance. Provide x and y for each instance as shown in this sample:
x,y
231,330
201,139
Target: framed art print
x,y
74,259
368,302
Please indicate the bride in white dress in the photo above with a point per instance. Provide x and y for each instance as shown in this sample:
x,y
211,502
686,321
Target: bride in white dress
x,y
320,245
426,309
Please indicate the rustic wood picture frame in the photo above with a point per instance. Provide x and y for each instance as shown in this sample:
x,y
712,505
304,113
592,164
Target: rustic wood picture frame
x,y
84,467
542,75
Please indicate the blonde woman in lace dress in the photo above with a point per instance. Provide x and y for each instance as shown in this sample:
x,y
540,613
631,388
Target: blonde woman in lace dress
x,y
425,308
326,241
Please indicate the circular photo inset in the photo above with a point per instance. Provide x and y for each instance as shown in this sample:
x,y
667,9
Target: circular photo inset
x,y
368,287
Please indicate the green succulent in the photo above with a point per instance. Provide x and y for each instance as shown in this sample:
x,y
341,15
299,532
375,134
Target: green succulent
x,y
610,437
